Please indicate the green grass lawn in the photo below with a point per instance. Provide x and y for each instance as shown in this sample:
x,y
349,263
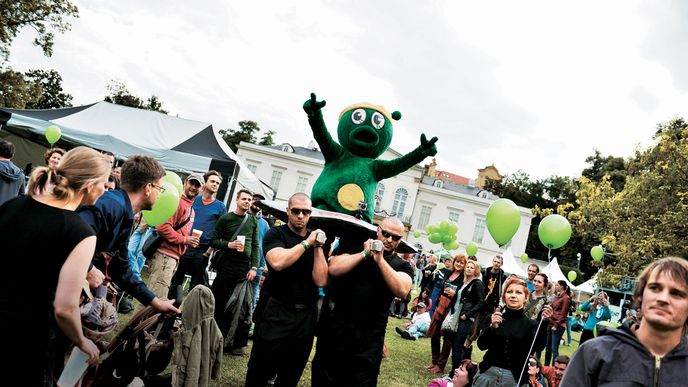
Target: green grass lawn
x,y
405,365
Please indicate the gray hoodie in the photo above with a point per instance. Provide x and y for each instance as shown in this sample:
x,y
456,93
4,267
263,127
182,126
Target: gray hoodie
x,y
12,181
617,358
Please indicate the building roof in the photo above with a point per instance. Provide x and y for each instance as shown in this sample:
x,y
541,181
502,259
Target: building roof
x,y
451,177
313,153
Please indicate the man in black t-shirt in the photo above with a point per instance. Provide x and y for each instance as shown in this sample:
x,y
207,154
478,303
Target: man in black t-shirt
x,y
351,335
286,313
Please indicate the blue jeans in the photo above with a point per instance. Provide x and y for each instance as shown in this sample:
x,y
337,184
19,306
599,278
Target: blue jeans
x,y
256,287
568,329
136,258
418,329
552,349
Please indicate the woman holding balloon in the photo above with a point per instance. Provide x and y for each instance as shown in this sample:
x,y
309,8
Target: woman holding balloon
x,y
510,339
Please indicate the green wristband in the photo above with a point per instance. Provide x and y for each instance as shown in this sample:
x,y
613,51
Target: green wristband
x,y
305,245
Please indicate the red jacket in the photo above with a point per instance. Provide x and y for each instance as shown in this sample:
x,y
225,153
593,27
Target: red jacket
x,y
560,306
173,245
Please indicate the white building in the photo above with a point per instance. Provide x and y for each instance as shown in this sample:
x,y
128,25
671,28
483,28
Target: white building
x,y
418,196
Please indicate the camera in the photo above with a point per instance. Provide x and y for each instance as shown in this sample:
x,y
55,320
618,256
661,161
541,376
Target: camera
x,y
376,246
320,237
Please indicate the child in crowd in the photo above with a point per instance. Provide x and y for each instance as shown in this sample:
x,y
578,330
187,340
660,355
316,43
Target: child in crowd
x,y
419,324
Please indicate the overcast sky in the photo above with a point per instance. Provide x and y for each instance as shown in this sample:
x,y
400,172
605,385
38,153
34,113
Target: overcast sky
x,y
531,85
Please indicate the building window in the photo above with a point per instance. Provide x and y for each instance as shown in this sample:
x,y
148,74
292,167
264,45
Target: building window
x,y
479,230
252,168
453,216
438,183
301,185
286,148
275,180
379,193
424,217
399,202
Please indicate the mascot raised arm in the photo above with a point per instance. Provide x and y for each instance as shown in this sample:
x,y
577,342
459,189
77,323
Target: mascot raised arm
x,y
352,170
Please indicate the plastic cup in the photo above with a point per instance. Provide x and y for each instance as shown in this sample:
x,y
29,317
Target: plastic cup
x,y
241,239
196,233
74,369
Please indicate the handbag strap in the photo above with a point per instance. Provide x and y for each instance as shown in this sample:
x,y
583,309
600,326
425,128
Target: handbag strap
x,y
180,225
238,230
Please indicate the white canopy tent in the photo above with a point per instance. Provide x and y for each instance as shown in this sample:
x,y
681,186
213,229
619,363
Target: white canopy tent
x,y
554,273
178,144
510,266
588,286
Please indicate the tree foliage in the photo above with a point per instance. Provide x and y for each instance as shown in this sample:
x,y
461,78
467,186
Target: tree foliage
x,y
16,91
120,95
247,132
645,220
267,139
52,94
600,166
45,16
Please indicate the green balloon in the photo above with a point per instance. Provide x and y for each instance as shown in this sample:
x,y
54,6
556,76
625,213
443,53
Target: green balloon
x,y
446,238
444,227
524,257
572,275
597,253
52,134
428,229
471,249
453,245
554,231
435,238
453,227
164,207
175,180
416,234
503,219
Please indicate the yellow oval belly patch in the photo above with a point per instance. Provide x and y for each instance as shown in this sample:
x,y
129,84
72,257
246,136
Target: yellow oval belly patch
x,y
349,195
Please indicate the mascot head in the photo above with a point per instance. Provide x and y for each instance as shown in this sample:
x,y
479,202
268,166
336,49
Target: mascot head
x,y
365,129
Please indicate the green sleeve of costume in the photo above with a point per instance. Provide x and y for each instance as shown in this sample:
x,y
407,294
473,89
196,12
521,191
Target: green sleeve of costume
x,y
384,169
330,149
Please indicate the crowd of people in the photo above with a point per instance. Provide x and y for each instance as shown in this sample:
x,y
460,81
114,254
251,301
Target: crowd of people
x,y
77,226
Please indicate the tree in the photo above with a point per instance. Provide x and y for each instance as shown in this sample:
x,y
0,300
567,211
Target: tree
x,y
246,132
120,95
52,95
44,16
600,166
267,139
16,91
645,220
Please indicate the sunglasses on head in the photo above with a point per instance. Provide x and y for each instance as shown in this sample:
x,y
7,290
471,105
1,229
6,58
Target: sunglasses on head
x,y
532,363
387,234
298,211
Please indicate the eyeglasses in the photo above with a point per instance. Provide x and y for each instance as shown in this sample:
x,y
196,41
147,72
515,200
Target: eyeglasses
x,y
159,187
387,234
299,211
532,363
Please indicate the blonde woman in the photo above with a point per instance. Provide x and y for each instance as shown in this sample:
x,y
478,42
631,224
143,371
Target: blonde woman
x,y
47,250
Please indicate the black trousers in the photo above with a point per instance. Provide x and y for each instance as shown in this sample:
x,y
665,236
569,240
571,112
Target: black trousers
x,y
347,354
282,342
229,273
194,263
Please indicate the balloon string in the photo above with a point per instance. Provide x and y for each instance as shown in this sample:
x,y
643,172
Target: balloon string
x,y
530,350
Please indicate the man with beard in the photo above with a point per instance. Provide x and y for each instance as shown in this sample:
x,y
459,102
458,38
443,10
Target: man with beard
x,y
287,312
238,261
177,234
112,218
651,353
207,210
351,337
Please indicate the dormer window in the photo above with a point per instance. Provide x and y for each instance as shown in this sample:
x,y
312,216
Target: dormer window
x,y
438,183
287,148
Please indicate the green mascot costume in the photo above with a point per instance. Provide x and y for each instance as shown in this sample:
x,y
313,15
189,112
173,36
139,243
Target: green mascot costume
x,y
348,181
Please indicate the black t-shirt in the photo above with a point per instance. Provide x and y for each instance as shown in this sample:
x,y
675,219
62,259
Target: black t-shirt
x,y
294,284
362,295
36,240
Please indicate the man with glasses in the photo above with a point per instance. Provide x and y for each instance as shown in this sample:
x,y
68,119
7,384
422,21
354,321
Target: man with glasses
x,y
112,217
352,334
287,311
555,374
236,238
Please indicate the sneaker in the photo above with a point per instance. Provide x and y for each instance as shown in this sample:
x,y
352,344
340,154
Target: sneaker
x,y
406,335
399,331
